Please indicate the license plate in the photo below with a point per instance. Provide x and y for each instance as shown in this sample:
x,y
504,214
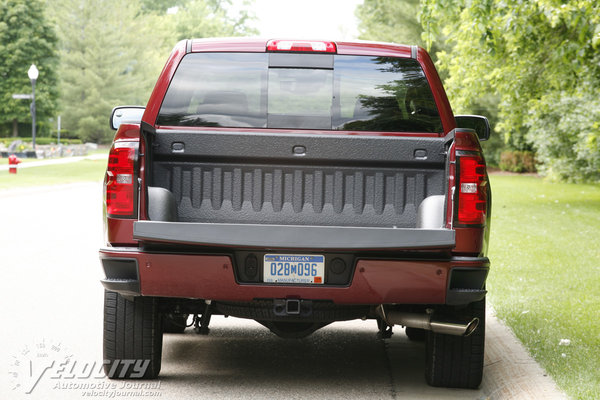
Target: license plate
x,y
294,268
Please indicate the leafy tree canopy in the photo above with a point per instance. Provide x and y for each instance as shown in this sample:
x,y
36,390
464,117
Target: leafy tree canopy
x,y
112,52
540,57
390,21
398,21
157,6
210,18
26,37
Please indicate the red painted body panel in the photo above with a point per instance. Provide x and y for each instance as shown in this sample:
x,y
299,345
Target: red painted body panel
x,y
469,241
212,277
437,88
257,45
142,211
129,132
163,82
248,45
373,49
120,231
451,185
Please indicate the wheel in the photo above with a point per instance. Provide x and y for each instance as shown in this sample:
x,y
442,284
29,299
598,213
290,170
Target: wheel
x,y
174,323
132,337
457,361
416,334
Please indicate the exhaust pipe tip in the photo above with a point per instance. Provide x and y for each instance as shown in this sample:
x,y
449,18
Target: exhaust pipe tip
x,y
471,326
443,325
455,328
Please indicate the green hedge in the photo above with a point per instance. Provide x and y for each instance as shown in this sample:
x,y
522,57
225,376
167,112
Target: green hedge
x,y
41,141
517,161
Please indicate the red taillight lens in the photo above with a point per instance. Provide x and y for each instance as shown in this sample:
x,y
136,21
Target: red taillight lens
x,y
120,179
472,191
301,46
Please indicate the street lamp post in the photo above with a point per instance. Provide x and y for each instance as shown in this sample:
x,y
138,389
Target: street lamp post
x,y
33,74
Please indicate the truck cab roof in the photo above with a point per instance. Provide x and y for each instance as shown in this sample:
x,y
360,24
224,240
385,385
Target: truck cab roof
x,y
260,45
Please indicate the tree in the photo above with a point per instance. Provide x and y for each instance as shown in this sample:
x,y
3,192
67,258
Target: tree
x,y
26,37
540,58
101,63
399,22
198,19
390,21
112,52
157,6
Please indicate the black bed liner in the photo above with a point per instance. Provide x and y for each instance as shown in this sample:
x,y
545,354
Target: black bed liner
x,y
320,149
297,179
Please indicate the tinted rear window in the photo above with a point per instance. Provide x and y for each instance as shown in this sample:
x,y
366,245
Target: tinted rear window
x,y
291,91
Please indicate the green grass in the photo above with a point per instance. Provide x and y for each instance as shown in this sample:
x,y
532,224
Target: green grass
x,y
80,171
545,276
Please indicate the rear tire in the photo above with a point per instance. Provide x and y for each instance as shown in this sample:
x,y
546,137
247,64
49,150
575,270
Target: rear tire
x,y
132,337
457,361
416,334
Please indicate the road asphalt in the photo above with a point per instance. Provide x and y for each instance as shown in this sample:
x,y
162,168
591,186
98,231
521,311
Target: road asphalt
x,y
52,332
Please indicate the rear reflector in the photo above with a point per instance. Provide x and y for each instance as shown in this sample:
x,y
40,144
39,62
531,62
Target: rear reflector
x,y
301,46
468,188
125,179
119,181
472,196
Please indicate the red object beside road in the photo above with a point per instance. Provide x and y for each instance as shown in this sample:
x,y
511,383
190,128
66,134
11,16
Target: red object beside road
x,y
13,163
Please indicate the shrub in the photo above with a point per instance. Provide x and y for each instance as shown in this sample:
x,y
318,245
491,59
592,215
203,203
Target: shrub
x,y
517,161
39,141
566,136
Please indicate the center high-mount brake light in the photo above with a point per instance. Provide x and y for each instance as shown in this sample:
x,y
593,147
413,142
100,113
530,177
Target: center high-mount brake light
x,y
120,179
308,46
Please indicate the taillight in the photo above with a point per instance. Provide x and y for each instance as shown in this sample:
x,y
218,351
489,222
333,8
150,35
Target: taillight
x,y
301,46
120,179
472,190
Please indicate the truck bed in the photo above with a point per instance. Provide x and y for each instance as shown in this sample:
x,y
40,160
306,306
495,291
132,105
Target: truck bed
x,y
294,179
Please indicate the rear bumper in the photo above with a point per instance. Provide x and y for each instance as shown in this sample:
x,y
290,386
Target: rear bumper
x,y
458,280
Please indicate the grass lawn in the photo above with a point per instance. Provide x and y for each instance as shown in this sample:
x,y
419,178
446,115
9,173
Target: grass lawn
x,y
545,276
85,170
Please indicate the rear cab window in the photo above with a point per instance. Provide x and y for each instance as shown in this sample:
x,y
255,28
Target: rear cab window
x,y
300,91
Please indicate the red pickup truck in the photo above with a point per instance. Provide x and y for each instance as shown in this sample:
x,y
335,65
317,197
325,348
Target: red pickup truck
x,y
297,183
